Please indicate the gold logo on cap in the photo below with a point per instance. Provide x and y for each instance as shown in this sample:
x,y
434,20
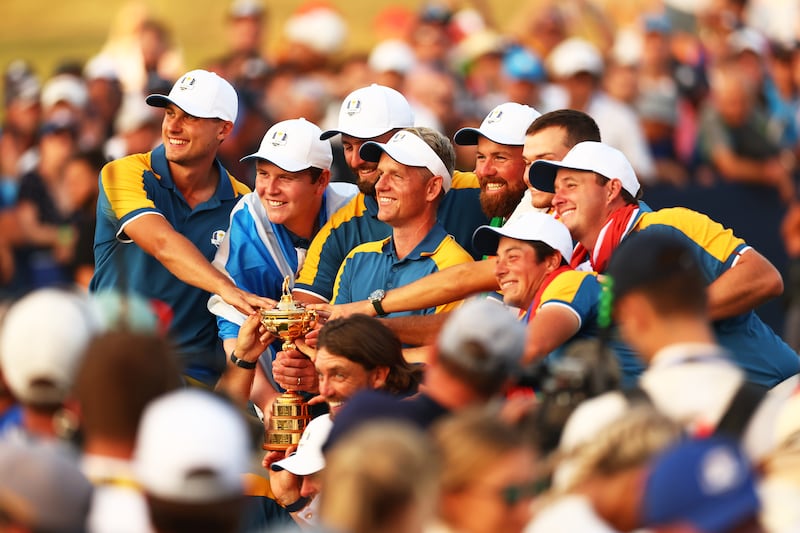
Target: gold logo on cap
x,y
187,83
353,106
279,138
495,116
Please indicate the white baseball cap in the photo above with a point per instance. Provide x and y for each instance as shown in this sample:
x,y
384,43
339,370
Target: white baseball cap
x,y
65,88
532,226
42,343
202,94
308,458
573,56
408,149
192,446
505,124
294,145
371,111
588,156
392,55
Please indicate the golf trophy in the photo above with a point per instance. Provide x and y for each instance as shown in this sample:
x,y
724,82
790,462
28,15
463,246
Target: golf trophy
x,y
289,321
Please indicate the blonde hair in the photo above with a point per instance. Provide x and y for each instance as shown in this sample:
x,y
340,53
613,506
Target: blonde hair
x,y
378,477
629,441
470,443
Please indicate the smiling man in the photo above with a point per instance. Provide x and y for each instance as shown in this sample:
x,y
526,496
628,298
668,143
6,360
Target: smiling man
x,y
161,216
596,194
269,234
416,168
533,272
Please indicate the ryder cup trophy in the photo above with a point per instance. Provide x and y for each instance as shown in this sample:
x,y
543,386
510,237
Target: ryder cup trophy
x,y
289,321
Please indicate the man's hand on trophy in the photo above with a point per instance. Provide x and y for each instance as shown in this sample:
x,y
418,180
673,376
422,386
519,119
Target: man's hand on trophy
x,y
294,371
252,340
285,485
331,312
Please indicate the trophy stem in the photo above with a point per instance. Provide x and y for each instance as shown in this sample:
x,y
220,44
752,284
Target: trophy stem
x,y
289,418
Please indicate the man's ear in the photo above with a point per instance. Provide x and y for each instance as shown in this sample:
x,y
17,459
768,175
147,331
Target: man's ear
x,y
225,129
324,180
614,188
379,375
434,188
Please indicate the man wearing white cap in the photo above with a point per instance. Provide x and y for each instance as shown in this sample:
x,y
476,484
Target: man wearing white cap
x,y
416,168
375,113
533,272
550,136
270,229
596,193
162,215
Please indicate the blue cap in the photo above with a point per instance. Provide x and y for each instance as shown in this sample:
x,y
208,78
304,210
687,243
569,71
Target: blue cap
x,y
708,483
522,64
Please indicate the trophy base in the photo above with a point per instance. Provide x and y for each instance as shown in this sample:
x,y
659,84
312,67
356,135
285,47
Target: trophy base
x,y
287,423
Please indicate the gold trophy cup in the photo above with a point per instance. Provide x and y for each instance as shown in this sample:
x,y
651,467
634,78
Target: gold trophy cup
x,y
289,321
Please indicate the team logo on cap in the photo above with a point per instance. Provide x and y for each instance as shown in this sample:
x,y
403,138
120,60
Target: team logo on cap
x,y
353,106
217,237
187,83
495,116
720,472
399,136
279,138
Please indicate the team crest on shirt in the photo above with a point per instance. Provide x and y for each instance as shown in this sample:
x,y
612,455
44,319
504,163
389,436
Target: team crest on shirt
x,y
187,83
279,138
495,116
353,106
217,237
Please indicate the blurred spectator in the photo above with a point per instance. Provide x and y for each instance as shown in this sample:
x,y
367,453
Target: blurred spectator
x,y
382,478
735,138
105,100
192,448
705,484
577,67
431,93
21,115
45,239
40,368
780,471
245,24
314,34
430,37
127,370
41,490
141,49
489,474
137,129
391,60
78,192
600,465
523,73
479,56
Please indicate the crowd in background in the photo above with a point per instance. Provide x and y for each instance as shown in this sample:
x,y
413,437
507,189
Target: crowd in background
x,y
704,101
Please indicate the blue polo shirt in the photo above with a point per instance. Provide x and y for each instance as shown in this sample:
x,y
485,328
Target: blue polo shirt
x,y
375,265
141,185
765,357
579,293
357,223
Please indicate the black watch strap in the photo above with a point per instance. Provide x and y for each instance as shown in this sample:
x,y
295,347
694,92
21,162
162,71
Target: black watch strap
x,y
378,307
241,363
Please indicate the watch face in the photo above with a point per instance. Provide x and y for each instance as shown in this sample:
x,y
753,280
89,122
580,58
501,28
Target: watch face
x,y
377,295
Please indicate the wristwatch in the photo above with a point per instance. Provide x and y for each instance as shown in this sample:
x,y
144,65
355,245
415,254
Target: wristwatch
x,y
375,299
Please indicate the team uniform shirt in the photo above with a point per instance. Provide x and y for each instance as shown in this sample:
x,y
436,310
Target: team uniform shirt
x,y
141,185
375,265
763,355
118,503
357,223
579,293
258,254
